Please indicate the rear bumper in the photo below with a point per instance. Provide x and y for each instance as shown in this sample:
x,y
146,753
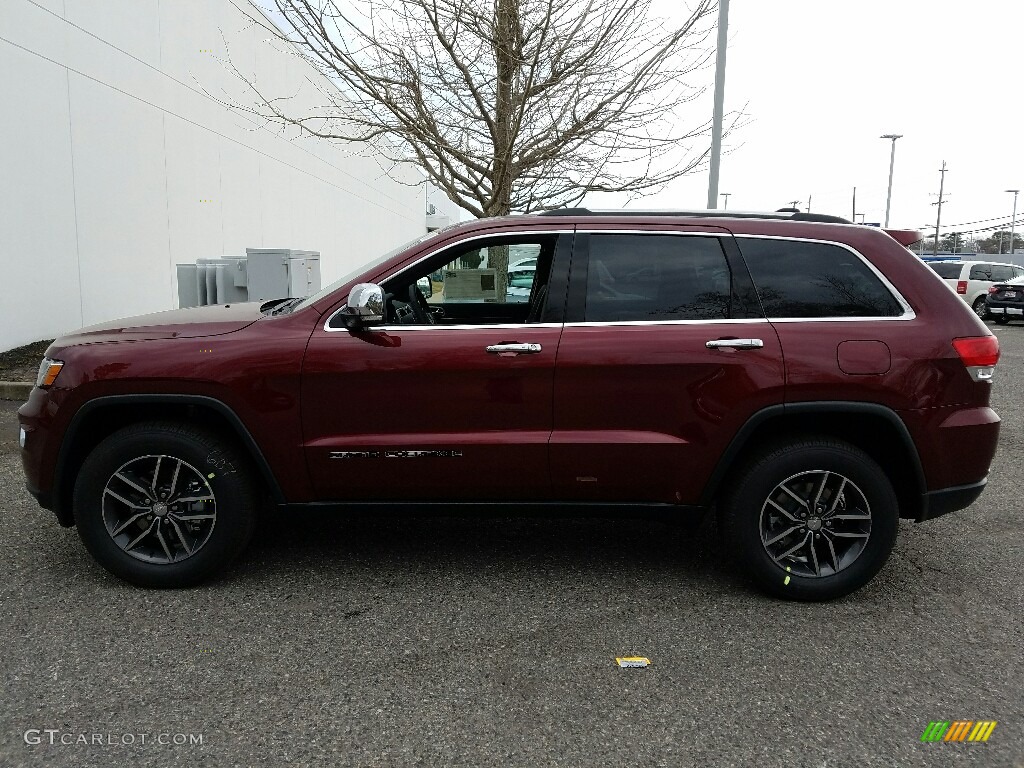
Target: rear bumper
x,y
938,503
1005,308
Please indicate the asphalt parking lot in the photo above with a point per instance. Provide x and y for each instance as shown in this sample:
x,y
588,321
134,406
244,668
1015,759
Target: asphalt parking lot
x,y
453,642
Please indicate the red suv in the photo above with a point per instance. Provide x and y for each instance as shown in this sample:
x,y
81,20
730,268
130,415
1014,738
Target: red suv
x,y
811,380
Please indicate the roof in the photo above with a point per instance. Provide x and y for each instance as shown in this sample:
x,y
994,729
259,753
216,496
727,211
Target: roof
x,y
784,214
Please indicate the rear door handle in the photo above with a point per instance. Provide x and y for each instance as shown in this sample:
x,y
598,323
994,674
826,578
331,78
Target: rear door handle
x,y
513,348
735,344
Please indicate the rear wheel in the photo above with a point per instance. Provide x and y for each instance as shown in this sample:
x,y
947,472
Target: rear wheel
x,y
980,307
164,505
812,519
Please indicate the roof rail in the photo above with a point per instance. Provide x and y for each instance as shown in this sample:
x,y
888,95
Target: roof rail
x,y
787,214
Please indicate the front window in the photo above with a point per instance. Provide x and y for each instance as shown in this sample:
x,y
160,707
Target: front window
x,y
491,281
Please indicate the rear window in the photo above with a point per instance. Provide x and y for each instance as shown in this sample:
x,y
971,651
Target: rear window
x,y
656,277
803,279
1001,273
948,270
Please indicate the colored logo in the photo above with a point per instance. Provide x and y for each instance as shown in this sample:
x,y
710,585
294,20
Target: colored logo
x,y
958,730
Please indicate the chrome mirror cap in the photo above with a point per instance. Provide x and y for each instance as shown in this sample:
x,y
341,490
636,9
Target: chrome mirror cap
x,y
365,305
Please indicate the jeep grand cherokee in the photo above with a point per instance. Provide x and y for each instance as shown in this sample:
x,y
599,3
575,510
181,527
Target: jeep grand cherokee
x,y
810,380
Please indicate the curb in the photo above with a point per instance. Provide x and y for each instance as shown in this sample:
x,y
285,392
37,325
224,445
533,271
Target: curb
x,y
15,390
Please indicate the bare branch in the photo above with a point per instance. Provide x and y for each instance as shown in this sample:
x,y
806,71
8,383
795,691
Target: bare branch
x,y
507,105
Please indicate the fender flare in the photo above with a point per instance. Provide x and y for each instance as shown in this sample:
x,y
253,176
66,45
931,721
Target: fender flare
x,y
240,430
744,434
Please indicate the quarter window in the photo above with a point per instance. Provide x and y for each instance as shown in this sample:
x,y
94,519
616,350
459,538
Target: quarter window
x,y
802,279
656,277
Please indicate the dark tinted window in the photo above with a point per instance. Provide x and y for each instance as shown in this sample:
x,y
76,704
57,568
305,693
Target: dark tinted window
x,y
800,279
980,272
949,270
1001,273
656,277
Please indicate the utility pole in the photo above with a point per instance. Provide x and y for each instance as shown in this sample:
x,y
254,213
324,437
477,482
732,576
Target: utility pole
x,y
938,216
1013,220
808,203
854,216
794,204
716,119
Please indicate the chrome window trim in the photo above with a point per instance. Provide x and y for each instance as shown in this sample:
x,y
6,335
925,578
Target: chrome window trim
x,y
434,252
496,326
908,311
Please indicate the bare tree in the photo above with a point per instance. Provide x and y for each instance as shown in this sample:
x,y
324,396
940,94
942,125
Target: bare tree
x,y
506,105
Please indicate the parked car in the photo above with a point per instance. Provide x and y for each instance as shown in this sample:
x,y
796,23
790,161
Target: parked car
x,y
807,379
520,279
972,279
1005,301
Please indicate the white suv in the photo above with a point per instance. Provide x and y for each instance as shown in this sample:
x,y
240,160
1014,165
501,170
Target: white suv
x,y
971,279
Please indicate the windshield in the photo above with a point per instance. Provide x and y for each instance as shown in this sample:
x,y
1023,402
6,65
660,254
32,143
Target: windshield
x,y
309,300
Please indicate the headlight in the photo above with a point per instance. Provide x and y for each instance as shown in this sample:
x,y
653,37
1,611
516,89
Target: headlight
x,y
48,371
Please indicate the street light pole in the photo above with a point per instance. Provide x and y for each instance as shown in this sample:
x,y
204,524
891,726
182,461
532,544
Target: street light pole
x,y
726,196
892,162
1013,220
716,123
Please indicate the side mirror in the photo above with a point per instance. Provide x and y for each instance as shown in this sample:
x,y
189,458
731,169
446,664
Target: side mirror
x,y
425,287
365,306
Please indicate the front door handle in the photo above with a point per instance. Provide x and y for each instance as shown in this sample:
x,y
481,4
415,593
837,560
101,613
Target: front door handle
x,y
513,348
735,344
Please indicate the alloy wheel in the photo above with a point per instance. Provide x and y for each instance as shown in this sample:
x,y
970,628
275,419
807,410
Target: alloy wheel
x,y
815,523
159,509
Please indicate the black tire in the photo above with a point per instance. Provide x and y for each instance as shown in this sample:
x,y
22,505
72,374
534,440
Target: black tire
x,y
980,308
1001,319
748,509
216,515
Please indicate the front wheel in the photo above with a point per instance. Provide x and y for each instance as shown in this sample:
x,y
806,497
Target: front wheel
x,y
164,505
811,520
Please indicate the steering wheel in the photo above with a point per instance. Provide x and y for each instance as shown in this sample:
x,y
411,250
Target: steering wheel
x,y
418,304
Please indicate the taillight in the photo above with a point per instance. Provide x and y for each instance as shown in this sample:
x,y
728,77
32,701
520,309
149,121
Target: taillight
x,y
961,286
979,354
993,289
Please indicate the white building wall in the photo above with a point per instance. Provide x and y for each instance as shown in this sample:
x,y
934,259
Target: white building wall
x,y
119,159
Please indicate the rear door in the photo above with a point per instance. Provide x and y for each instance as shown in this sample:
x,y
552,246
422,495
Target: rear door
x,y
664,355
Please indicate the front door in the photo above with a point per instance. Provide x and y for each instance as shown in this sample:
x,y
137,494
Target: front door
x,y
450,399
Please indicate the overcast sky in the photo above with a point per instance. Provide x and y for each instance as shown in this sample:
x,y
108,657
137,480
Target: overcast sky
x,y
823,79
